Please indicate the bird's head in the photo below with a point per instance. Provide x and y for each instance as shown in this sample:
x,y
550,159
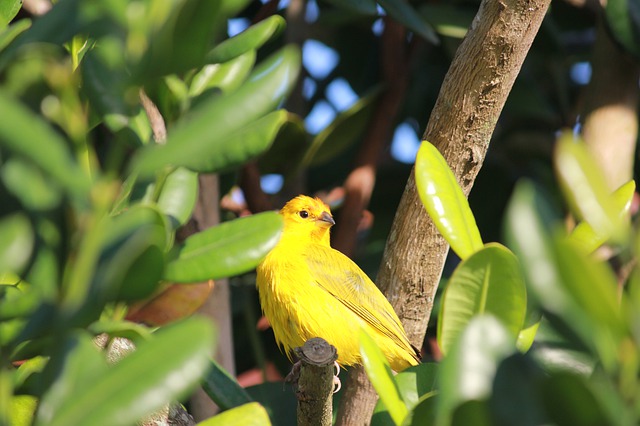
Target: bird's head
x,y
306,216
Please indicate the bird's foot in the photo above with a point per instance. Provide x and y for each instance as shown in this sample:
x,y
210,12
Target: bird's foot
x,y
337,384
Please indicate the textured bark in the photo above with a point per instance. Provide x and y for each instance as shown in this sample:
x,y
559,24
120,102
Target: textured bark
x,y
611,118
461,124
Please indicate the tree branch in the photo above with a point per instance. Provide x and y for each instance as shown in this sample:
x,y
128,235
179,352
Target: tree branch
x,y
461,124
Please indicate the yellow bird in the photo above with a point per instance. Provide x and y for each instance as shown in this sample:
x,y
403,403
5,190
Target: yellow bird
x,y
308,289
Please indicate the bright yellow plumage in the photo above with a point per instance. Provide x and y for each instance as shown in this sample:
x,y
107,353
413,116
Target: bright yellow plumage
x,y
307,289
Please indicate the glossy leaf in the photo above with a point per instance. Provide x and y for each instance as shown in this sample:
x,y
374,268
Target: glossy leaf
x,y
250,414
250,39
345,130
403,12
113,398
445,202
17,243
24,133
226,77
201,141
584,187
469,368
584,235
490,282
178,196
381,377
223,388
8,10
225,250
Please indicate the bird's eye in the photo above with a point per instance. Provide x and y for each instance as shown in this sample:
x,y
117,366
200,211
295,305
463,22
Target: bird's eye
x,y
304,214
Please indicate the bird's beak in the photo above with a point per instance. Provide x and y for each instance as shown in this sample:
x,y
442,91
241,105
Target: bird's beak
x,y
326,217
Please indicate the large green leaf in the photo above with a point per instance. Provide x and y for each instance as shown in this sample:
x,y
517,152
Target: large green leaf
x,y
403,12
223,389
225,250
8,34
381,377
489,281
362,7
250,39
159,371
24,133
469,368
178,196
201,140
8,10
585,236
343,132
250,414
445,201
226,77
17,243
584,187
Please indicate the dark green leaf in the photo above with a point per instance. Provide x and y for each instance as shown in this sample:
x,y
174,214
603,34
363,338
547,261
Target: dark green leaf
x,y
223,389
403,12
250,414
250,39
489,281
24,133
178,196
17,243
225,250
285,154
279,401
166,368
623,19
8,10
448,19
203,137
445,202
363,7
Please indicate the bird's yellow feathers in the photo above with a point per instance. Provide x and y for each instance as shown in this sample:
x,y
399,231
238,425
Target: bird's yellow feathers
x,y
308,289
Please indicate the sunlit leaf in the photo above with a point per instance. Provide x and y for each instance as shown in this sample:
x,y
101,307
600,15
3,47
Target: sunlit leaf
x,y
226,77
381,377
178,196
8,10
17,243
489,282
225,250
445,202
250,414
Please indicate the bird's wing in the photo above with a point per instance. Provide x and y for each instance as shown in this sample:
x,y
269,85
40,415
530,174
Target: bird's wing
x,y
344,280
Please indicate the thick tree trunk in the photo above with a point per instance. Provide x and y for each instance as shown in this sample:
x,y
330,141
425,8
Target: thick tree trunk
x,y
461,124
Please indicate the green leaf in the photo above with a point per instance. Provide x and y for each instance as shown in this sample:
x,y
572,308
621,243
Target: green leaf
x,y
403,12
345,130
17,301
250,39
226,77
448,19
22,410
27,183
381,377
223,389
285,154
182,41
24,133
585,189
17,243
166,368
126,329
8,10
8,34
225,250
178,196
250,414
489,281
623,19
204,135
445,202
469,368
585,236
279,402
